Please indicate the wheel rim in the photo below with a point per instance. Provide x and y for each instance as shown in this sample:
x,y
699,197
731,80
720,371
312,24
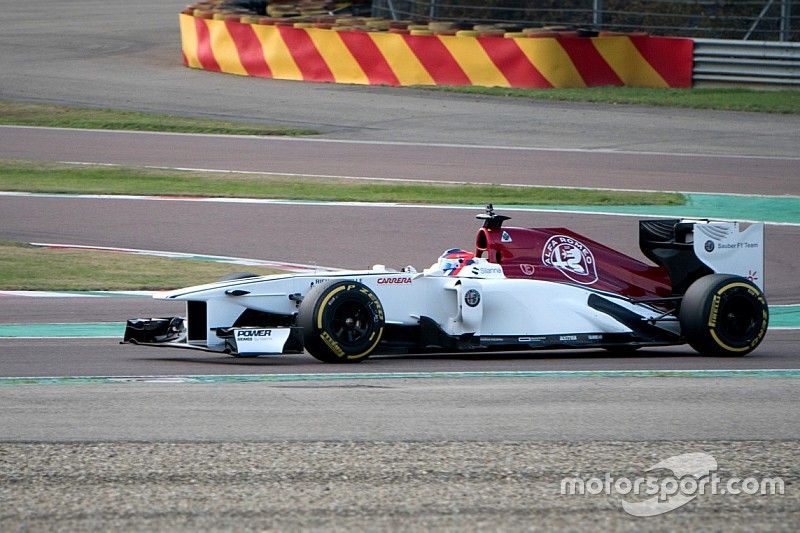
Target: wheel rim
x,y
739,319
351,323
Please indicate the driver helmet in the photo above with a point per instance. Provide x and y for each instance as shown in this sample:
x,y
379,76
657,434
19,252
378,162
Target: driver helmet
x,y
453,260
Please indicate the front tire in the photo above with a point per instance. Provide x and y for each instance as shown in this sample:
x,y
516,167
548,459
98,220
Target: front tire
x,y
723,314
342,321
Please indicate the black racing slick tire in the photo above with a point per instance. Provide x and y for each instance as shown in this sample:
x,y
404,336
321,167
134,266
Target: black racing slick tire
x,y
342,321
724,315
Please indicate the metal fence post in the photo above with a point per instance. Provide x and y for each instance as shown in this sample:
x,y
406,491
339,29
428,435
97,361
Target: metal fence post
x,y
432,14
391,10
786,20
597,13
758,20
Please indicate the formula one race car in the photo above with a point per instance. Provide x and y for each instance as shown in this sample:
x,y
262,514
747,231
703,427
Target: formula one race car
x,y
522,289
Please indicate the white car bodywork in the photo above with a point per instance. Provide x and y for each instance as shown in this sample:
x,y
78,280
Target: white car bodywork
x,y
504,307
477,308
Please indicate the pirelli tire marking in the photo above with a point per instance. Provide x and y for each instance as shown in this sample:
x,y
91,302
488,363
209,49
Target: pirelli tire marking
x,y
724,314
714,314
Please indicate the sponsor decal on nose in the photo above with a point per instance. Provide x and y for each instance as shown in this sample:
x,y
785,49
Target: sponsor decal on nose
x,y
249,333
394,281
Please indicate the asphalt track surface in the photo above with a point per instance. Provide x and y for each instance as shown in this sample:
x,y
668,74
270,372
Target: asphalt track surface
x,y
485,164
338,236
630,147
127,57
104,54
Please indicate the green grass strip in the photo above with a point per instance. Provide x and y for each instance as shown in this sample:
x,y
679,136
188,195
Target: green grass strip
x,y
24,267
53,116
46,178
762,101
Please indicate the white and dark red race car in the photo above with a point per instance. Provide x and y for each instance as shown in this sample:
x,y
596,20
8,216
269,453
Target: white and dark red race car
x,y
521,289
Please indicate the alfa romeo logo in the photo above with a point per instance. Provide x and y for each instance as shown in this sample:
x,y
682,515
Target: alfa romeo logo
x,y
472,298
571,257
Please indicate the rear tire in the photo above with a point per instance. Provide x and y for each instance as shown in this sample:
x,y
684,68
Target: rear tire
x,y
723,314
342,321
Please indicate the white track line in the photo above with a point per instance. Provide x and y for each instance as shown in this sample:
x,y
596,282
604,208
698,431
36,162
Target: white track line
x,y
788,373
411,180
77,294
282,265
372,205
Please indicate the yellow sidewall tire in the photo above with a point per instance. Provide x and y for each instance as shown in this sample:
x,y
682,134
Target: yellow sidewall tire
x,y
343,321
724,315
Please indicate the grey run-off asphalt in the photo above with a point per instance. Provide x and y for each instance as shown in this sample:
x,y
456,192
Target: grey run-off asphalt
x,y
461,163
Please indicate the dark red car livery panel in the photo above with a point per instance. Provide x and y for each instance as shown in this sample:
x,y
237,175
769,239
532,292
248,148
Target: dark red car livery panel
x,y
560,255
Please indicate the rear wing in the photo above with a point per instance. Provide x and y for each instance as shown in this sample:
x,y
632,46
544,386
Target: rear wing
x,y
728,249
690,249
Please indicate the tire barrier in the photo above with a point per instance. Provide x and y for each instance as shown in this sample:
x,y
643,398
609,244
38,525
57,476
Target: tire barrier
x,y
338,53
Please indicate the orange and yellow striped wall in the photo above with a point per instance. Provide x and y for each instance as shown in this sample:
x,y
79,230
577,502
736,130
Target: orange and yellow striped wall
x,y
379,58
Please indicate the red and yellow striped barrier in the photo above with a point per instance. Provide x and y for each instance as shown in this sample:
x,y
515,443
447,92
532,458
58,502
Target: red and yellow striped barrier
x,y
380,58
